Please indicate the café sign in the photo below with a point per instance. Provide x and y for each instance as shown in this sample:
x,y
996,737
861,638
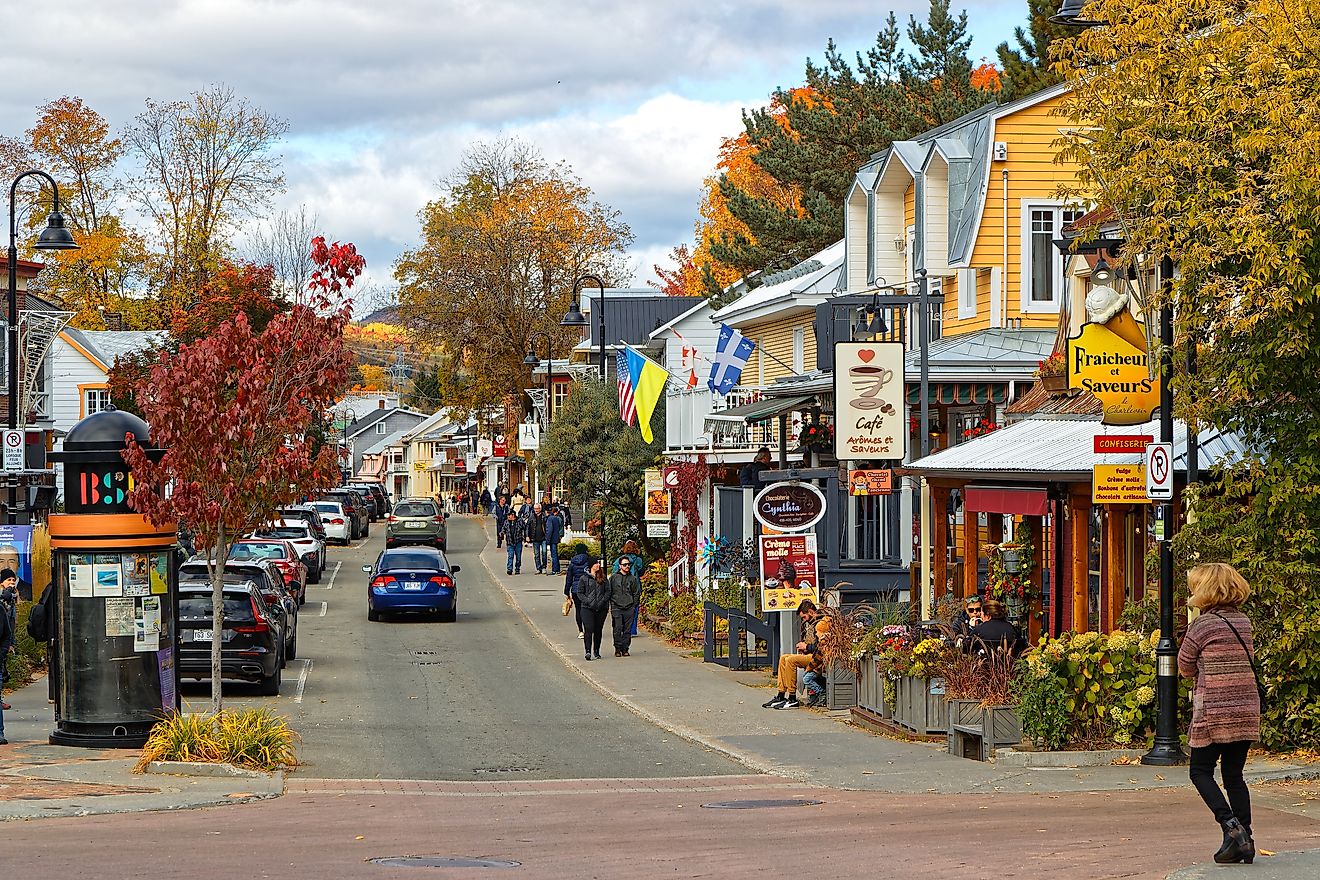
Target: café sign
x,y
870,401
789,506
1109,358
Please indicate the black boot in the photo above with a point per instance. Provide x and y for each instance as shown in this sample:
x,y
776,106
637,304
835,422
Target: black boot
x,y
1237,846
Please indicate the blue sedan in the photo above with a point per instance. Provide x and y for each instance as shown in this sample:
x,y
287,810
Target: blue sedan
x,y
412,579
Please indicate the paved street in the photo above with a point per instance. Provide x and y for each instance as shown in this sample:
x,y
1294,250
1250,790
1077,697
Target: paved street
x,y
478,699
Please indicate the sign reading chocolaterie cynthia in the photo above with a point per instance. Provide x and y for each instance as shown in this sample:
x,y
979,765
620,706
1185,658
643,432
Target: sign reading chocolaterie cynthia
x,y
789,507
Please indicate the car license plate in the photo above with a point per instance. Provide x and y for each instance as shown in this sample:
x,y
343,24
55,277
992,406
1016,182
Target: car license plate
x,y
412,585
201,635
414,525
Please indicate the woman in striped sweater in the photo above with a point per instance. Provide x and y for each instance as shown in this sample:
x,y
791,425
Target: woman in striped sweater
x,y
1218,652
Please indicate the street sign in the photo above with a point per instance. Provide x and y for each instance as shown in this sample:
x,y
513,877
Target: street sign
x,y
13,459
1159,471
670,477
657,530
1108,444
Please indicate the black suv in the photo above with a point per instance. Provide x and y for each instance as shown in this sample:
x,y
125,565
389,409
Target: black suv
x,y
378,492
270,583
252,641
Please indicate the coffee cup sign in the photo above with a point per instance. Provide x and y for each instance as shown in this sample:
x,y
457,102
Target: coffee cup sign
x,y
870,401
789,506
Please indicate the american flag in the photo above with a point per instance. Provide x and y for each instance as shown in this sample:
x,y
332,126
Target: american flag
x,y
627,406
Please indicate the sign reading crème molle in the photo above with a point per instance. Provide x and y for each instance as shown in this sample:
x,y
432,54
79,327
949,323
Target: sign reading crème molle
x,y
789,507
869,401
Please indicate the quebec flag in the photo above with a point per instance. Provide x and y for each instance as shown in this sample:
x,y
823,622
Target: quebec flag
x,y
731,354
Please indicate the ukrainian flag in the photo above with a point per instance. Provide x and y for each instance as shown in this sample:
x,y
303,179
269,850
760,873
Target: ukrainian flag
x,y
648,381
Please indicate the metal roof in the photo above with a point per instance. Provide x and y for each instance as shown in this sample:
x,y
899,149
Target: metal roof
x,y
999,353
1033,449
632,315
109,345
760,410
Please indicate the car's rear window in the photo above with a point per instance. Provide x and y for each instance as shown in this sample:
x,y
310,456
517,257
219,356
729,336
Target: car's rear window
x,y
411,559
238,607
327,507
252,550
283,532
414,508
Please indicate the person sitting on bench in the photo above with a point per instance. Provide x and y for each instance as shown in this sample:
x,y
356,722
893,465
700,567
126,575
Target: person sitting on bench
x,y
814,625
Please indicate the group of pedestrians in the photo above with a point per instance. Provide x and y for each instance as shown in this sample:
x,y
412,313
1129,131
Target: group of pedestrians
x,y
594,597
466,499
542,524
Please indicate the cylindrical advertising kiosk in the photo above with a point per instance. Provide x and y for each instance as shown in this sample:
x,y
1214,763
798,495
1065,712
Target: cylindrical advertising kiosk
x,y
115,591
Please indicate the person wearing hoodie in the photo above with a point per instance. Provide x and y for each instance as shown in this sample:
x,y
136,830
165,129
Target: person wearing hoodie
x,y
578,564
501,515
625,593
593,591
554,533
9,629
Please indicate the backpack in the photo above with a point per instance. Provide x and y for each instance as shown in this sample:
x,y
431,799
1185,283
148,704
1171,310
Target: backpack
x,y
39,622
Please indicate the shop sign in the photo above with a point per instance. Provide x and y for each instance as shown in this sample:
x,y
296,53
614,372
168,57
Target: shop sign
x,y
657,530
789,506
869,398
1125,444
657,498
529,436
485,447
501,446
421,465
1109,359
871,482
789,571
1119,484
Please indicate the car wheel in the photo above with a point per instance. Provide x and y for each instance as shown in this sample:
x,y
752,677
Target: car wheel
x,y
291,653
314,576
372,613
366,533
270,685
451,615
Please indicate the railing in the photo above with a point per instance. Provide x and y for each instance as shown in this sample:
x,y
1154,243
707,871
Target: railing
x,y
739,648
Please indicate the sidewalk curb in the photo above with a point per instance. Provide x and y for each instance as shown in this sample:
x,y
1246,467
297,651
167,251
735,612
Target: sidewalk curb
x,y
201,768
678,730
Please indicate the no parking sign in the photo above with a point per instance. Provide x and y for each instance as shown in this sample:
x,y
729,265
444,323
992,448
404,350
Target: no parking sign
x,y
1159,471
13,459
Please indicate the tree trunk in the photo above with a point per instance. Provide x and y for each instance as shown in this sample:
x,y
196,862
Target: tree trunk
x,y
216,564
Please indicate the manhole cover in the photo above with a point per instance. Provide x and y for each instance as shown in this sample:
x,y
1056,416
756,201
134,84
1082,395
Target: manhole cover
x,y
505,769
442,862
760,805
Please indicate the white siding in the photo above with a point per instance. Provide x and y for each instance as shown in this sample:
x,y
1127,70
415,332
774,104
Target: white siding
x,y
686,411
69,368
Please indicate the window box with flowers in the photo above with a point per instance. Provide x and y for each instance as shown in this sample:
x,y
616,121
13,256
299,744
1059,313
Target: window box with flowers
x,y
817,436
1052,373
979,429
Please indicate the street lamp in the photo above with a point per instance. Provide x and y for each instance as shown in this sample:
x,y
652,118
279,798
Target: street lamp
x,y
533,361
575,318
55,237
1166,750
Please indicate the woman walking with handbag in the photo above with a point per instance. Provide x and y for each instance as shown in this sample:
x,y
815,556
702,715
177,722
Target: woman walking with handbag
x,y
593,597
1226,702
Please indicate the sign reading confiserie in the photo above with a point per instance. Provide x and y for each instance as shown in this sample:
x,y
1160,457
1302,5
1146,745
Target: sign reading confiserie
x,y
870,401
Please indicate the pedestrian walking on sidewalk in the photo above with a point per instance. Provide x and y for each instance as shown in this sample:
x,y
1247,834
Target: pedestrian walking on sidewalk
x,y
625,593
501,515
1218,652
515,533
9,611
578,565
593,596
554,533
536,537
7,637
631,551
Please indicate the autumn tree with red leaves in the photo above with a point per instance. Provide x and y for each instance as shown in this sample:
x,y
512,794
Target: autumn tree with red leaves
x,y
235,411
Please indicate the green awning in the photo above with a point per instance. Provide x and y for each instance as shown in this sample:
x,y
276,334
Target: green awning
x,y
959,393
761,410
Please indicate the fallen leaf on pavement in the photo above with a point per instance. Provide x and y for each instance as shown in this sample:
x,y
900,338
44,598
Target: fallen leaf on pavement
x,y
1264,852
359,837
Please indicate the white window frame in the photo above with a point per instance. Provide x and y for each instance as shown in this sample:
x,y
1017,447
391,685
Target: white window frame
x,y
1026,304
966,293
380,427
102,393
799,349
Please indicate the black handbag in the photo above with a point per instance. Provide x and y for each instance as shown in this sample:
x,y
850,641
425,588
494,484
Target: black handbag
x,y
1255,671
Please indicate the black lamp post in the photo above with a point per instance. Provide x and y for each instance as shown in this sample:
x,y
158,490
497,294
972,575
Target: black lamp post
x,y
533,361
575,318
55,237
1166,750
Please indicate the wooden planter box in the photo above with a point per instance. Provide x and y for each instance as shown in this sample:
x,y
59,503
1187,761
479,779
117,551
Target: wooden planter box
x,y
995,727
919,705
871,690
840,689
1055,384
964,712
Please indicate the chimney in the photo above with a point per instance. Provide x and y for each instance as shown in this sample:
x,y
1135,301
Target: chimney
x,y
380,404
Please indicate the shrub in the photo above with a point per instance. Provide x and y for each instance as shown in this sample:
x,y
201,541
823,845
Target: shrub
x,y
257,739
28,656
592,545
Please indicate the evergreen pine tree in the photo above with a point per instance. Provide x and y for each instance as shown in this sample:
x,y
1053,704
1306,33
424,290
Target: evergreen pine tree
x,y
1026,69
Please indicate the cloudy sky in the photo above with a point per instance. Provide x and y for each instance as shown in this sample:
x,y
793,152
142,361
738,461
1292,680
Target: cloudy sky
x,y
383,97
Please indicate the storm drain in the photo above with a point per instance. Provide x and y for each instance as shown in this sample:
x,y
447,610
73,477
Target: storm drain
x,y
442,862
423,653
432,663
761,805
505,769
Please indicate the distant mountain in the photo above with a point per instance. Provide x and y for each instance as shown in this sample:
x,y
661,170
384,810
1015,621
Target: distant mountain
x,y
384,315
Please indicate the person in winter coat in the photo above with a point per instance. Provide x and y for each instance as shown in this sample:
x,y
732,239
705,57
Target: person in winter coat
x,y
501,515
1218,652
515,533
8,630
625,593
554,533
578,564
7,637
536,537
631,551
593,596
486,501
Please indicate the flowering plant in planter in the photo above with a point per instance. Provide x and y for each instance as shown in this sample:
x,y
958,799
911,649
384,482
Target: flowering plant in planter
x,y
816,434
1054,365
1010,568
981,428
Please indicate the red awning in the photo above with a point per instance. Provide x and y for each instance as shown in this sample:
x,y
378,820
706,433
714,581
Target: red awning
x,y
992,499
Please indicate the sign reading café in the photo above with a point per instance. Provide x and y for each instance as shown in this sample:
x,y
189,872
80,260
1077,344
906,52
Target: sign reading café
x,y
1109,359
869,401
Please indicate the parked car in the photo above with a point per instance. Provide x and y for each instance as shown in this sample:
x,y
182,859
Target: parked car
x,y
383,503
416,521
355,507
412,579
270,583
299,534
307,514
280,552
338,525
252,642
374,511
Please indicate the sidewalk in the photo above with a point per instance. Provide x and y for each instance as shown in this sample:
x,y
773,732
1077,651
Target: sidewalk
x,y
38,780
719,709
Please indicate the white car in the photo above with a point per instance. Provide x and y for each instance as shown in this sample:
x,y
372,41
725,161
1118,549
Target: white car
x,y
338,526
299,534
